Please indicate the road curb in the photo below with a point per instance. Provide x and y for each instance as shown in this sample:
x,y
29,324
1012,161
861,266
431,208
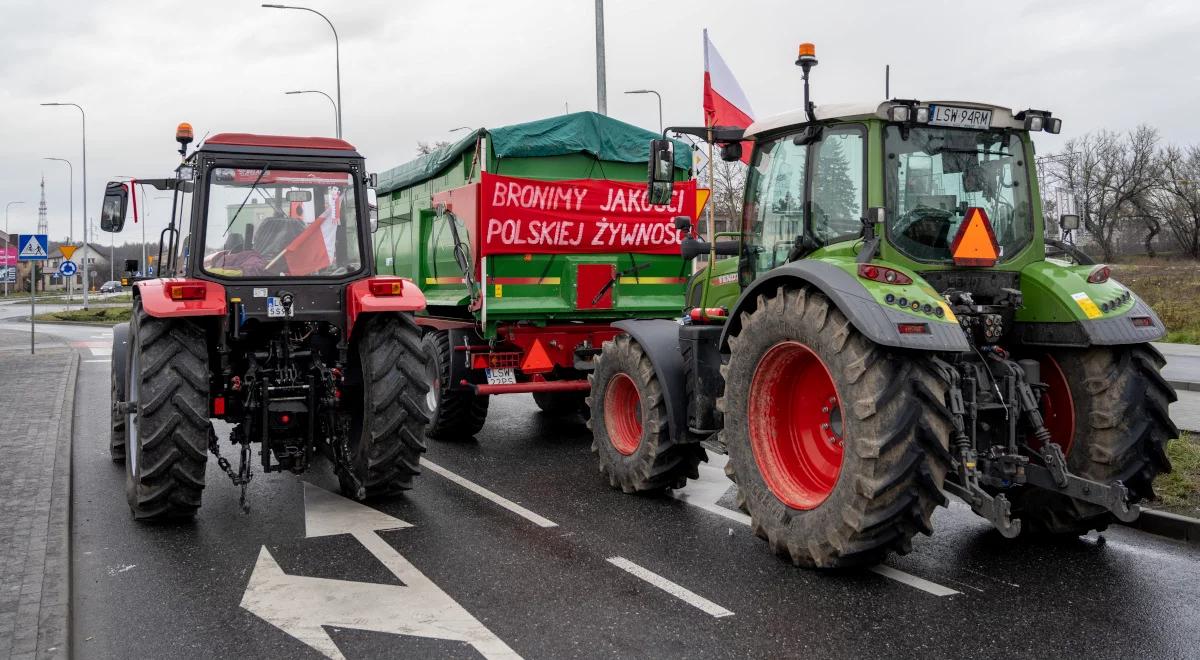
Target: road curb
x,y
1170,525
1186,385
54,621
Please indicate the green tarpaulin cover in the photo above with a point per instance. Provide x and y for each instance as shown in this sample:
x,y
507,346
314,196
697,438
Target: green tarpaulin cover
x,y
579,132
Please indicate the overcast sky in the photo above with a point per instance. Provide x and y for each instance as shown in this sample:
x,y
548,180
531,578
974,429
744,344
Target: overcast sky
x,y
413,70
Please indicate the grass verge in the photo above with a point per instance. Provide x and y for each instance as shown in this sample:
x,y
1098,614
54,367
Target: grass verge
x,y
1179,491
97,315
1171,287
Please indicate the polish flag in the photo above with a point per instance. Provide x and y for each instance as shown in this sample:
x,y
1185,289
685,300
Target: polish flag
x,y
313,249
725,104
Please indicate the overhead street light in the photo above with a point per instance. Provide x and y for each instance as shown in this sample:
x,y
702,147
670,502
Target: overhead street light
x,y
7,246
337,57
86,247
650,91
331,102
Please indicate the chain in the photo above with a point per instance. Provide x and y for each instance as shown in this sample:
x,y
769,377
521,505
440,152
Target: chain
x,y
243,476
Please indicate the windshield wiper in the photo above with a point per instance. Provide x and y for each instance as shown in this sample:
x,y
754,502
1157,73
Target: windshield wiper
x,y
248,193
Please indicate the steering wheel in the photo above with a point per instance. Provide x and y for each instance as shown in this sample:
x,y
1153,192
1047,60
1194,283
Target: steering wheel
x,y
927,226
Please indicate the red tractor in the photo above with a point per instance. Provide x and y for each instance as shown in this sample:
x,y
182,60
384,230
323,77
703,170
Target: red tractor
x,y
266,313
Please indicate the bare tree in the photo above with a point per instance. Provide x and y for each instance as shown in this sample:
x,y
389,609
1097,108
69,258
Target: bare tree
x,y
1176,199
426,148
729,180
1111,176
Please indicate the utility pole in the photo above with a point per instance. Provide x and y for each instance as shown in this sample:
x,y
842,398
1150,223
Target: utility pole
x,y
601,87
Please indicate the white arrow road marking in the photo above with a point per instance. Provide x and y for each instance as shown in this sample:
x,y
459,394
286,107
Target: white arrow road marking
x,y
682,593
706,491
301,606
483,492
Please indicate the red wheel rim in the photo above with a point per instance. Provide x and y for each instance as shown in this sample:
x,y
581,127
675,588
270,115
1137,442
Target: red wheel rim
x,y
623,414
1058,408
796,425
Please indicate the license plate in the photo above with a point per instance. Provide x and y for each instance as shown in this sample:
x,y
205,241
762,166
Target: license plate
x,y
274,308
501,376
948,115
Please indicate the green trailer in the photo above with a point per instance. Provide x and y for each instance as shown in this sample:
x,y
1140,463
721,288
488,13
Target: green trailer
x,y
528,242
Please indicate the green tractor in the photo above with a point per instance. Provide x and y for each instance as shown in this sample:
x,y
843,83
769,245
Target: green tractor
x,y
890,325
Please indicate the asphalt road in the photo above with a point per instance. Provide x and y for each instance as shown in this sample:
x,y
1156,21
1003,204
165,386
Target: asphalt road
x,y
566,567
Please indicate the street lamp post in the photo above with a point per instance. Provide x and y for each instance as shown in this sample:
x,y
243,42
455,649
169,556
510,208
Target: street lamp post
x,y
83,117
337,57
71,221
650,91
336,120
7,239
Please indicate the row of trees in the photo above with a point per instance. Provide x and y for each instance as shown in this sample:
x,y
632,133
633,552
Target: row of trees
x,y
1132,192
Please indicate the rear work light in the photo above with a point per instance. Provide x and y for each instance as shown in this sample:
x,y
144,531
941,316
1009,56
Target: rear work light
x,y
387,287
186,291
882,274
1099,274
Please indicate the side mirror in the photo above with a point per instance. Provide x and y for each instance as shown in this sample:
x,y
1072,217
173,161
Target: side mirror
x,y
683,223
809,135
731,152
373,180
112,211
690,248
299,196
1069,222
661,183
373,209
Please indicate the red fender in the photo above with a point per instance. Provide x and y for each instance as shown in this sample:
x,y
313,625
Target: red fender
x,y
156,297
360,300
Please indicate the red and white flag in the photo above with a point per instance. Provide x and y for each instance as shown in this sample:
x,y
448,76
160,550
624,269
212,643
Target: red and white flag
x,y
313,249
725,104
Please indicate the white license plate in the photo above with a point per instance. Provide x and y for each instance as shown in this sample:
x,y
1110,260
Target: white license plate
x,y
274,308
948,115
501,376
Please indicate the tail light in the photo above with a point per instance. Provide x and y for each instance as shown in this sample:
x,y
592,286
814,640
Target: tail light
x,y
218,406
1099,274
882,274
186,291
912,328
1142,322
387,287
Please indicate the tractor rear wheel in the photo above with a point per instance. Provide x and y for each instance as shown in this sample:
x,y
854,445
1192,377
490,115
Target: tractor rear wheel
x,y
628,419
1118,429
454,413
561,403
838,445
167,433
387,389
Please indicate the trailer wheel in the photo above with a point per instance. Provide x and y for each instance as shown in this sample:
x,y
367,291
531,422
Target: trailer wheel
x,y
454,414
117,389
561,403
1119,431
629,423
167,433
386,392
838,445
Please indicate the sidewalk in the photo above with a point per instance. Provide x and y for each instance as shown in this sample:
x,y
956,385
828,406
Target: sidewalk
x,y
37,395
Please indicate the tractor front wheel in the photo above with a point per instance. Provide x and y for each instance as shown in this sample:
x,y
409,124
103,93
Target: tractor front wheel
x,y
1107,408
838,445
454,413
628,419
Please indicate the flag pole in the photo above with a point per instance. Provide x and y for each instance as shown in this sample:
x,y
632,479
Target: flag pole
x,y
711,189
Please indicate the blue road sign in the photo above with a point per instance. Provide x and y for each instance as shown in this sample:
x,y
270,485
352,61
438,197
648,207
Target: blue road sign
x,y
32,247
150,271
68,268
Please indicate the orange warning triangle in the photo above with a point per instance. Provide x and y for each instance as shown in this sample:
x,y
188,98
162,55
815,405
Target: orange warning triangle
x,y
537,360
975,243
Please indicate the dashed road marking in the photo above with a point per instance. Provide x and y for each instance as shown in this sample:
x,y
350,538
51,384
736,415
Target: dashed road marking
x,y
682,593
706,491
483,492
106,360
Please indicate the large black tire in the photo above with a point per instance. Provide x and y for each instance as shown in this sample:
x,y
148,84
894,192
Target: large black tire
x,y
118,365
894,433
387,374
166,440
630,435
454,414
561,403
1122,426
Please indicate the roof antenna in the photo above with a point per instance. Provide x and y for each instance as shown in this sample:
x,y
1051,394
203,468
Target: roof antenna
x,y
887,81
807,59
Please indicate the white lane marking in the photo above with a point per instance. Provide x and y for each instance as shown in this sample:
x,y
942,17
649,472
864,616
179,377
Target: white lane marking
x,y
483,492
682,593
303,606
101,350
106,360
711,486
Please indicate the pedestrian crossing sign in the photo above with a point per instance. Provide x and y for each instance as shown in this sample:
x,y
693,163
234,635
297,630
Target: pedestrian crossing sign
x,y
32,247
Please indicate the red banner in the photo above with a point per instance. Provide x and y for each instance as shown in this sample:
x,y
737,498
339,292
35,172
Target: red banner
x,y
522,216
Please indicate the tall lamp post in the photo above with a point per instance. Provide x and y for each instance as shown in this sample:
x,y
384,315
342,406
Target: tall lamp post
x,y
336,120
71,221
86,249
650,91
7,239
337,57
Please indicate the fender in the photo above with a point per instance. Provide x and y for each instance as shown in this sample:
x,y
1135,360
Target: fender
x,y
659,338
158,303
120,358
360,300
875,321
